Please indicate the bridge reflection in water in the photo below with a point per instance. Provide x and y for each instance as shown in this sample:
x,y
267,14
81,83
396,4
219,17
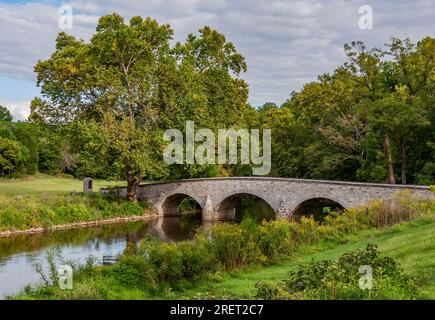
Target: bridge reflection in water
x,y
19,253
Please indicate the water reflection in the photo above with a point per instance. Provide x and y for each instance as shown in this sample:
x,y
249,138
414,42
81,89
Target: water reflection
x,y
19,253
252,206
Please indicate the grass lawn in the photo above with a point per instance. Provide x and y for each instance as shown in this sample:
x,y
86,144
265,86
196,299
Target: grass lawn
x,y
412,244
40,184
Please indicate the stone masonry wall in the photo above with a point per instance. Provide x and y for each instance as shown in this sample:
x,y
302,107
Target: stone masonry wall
x,y
283,195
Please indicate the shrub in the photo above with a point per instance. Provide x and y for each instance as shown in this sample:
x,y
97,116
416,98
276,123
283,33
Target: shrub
x,y
233,245
305,231
197,258
166,260
340,279
269,290
134,271
274,239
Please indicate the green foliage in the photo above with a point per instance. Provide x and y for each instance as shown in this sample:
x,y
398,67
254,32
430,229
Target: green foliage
x,y
113,116
134,271
40,147
24,213
174,262
12,156
340,279
5,114
228,247
274,239
372,119
167,260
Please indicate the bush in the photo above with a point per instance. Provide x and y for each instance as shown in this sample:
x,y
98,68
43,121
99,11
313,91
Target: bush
x,y
197,258
134,271
166,260
274,239
269,290
340,279
233,245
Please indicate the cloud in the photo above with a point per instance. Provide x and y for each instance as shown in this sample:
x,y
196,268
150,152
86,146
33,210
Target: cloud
x,y
286,43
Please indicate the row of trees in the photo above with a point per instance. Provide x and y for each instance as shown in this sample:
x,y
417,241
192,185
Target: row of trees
x,y
27,148
106,102
372,119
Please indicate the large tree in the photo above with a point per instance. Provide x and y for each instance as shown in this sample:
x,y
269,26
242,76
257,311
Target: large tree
x,y
116,93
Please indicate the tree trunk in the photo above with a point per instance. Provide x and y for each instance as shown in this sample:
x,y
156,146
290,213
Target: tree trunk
x,y
389,159
132,189
403,161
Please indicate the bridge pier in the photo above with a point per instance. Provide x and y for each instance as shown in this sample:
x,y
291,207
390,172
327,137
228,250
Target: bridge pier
x,y
211,214
284,210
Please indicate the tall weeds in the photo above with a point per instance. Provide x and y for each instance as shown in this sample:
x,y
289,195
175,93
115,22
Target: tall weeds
x,y
225,247
23,213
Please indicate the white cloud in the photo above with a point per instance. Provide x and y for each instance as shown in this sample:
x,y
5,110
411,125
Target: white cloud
x,y
286,43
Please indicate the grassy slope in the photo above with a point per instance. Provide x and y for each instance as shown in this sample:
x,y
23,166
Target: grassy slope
x,y
412,244
40,184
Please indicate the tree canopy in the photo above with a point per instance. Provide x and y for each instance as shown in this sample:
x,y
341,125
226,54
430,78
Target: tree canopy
x,y
116,93
105,103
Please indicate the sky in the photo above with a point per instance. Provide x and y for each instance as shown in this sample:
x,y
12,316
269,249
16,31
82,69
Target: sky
x,y
286,43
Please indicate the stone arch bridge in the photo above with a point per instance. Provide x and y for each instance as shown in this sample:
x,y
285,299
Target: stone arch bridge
x,y
217,196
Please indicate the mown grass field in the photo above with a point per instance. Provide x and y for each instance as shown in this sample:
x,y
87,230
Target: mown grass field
x,y
40,184
412,244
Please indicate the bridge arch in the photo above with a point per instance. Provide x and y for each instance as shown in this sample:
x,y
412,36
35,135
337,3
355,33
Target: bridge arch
x,y
228,204
314,205
170,205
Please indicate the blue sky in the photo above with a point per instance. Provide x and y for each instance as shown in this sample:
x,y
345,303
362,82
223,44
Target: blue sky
x,y
286,42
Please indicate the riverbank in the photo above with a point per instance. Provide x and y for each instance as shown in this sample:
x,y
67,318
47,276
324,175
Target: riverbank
x,y
77,225
37,213
411,244
155,270
19,253
41,184
43,203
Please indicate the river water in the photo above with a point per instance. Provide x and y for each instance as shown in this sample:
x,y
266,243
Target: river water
x,y
19,253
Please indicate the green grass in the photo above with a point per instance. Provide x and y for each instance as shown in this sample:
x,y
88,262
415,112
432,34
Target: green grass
x,y
43,201
40,184
412,244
